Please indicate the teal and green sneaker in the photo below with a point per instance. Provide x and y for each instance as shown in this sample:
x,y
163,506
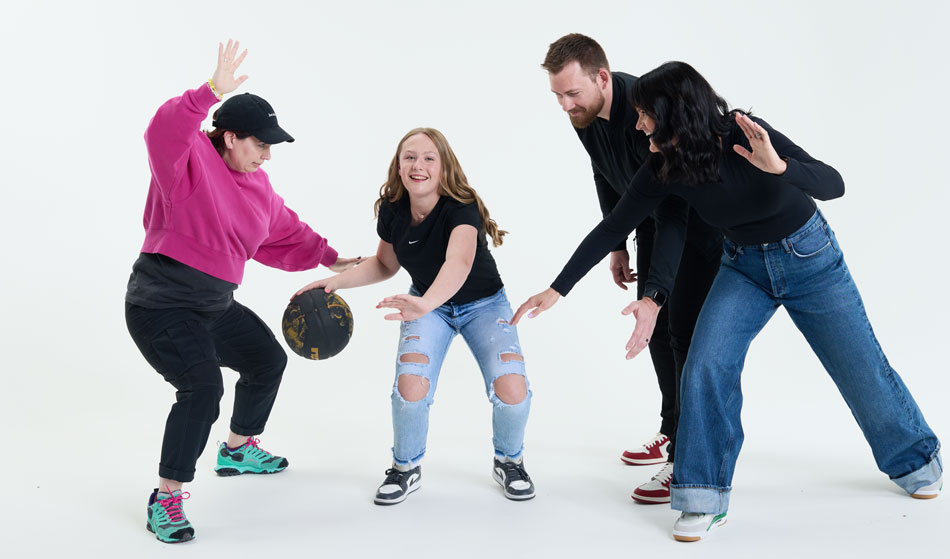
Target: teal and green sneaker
x,y
166,518
248,458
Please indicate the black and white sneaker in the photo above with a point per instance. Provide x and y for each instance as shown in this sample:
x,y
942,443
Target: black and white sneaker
x,y
515,480
398,485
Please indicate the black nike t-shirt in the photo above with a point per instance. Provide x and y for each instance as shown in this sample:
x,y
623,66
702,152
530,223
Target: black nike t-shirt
x,y
420,249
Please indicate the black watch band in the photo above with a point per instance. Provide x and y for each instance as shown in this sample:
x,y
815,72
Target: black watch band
x,y
658,298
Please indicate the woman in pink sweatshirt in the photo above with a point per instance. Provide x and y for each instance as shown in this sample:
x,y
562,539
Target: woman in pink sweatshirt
x,y
211,208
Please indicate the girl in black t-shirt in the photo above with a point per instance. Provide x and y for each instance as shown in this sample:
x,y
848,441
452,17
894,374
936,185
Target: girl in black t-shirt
x,y
431,222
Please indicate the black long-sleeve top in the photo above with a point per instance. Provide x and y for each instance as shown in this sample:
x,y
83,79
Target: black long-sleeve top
x,y
749,205
617,150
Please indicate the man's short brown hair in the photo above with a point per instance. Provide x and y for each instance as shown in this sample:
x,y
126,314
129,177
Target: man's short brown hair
x,y
575,47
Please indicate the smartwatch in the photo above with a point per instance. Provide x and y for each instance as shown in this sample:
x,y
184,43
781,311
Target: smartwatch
x,y
658,298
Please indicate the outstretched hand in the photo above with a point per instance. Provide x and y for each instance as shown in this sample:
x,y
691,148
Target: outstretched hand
x,y
537,304
763,155
410,307
644,311
228,62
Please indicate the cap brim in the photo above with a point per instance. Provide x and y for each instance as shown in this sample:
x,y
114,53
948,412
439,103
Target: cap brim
x,y
273,135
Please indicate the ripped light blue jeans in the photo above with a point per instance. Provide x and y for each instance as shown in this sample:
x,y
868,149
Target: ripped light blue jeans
x,y
484,326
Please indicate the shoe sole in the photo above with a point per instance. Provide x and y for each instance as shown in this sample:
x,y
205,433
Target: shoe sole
x,y
639,462
650,500
925,495
228,472
148,527
680,538
513,497
387,502
688,537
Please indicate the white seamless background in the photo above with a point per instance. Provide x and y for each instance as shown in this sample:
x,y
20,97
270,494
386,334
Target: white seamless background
x,y
860,85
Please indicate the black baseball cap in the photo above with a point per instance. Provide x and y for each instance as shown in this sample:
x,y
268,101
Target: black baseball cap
x,y
252,114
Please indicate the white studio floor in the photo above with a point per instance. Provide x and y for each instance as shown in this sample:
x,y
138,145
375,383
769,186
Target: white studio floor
x,y
805,484
582,509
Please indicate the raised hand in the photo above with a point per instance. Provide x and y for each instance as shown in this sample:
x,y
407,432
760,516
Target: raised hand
x,y
644,311
763,155
410,307
228,62
537,304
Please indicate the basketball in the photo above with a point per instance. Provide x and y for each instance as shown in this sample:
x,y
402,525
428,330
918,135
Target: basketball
x,y
317,324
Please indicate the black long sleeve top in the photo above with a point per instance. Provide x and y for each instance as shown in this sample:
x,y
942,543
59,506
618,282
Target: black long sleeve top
x,y
617,150
749,205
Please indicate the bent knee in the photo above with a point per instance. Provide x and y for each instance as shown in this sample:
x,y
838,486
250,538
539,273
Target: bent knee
x,y
511,389
412,388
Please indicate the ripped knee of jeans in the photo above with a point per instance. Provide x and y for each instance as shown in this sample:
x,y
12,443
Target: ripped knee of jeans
x,y
511,389
412,388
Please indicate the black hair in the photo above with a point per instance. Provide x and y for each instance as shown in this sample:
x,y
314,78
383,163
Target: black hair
x,y
691,118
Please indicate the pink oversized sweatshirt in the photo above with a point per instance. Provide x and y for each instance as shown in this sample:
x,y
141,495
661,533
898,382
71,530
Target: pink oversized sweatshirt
x,y
205,215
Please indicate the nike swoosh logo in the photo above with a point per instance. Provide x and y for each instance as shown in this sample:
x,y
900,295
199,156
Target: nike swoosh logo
x,y
413,242
412,479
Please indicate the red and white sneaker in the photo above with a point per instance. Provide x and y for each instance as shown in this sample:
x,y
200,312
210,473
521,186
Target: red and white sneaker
x,y
652,452
657,490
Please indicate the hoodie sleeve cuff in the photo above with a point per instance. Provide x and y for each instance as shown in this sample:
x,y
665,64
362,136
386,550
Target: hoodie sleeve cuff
x,y
329,257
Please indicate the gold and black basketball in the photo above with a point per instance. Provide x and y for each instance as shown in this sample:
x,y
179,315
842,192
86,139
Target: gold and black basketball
x,y
317,324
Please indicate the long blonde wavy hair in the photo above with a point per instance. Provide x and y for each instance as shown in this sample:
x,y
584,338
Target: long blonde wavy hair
x,y
452,183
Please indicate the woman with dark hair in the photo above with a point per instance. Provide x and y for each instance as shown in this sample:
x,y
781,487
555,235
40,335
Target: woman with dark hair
x,y
432,223
749,179
210,208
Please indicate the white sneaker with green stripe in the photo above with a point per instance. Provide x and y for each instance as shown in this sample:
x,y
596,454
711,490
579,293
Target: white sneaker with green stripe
x,y
929,491
694,526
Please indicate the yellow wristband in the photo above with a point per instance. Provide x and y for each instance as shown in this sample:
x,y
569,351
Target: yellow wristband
x,y
213,90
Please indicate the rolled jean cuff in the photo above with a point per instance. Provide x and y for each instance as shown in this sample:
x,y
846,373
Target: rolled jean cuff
x,y
502,457
408,464
704,499
922,477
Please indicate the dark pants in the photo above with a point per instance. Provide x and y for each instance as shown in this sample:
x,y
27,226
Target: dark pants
x,y
188,348
669,344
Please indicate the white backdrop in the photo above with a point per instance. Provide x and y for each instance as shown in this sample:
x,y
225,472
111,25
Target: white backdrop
x,y
860,85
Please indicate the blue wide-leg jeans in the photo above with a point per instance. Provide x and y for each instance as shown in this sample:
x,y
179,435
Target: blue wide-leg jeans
x,y
806,273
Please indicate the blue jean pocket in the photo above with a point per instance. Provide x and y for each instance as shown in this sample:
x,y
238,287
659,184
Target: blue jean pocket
x,y
811,243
